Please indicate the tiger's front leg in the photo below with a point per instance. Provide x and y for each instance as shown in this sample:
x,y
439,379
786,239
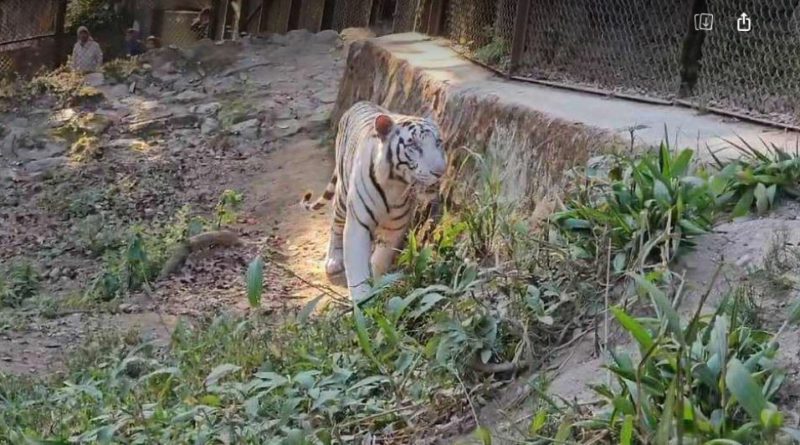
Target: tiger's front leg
x,y
357,249
386,251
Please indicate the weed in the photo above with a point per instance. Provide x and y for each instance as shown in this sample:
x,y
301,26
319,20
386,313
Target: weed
x,y
65,85
120,70
227,207
96,234
495,53
757,178
712,379
648,207
85,148
19,282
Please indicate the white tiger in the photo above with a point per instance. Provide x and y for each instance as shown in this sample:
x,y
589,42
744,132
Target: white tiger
x,y
383,162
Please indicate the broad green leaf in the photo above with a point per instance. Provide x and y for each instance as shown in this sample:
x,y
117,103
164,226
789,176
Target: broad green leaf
x,y
680,165
745,202
308,309
484,435
664,430
577,224
661,193
361,332
426,304
691,228
745,389
718,342
255,281
635,328
370,381
626,435
771,191
663,306
220,372
538,422
762,200
771,419
564,430
620,260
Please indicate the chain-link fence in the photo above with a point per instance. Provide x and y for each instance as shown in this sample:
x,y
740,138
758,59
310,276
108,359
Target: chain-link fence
x,y
407,15
754,72
631,46
23,23
351,14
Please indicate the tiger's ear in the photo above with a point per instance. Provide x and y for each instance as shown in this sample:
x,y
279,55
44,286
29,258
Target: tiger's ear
x,y
383,125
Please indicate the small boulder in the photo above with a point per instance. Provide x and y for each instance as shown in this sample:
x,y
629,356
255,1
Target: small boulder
x,y
248,129
45,165
208,109
326,37
189,96
209,126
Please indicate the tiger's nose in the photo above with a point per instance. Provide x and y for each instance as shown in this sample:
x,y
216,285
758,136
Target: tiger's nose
x,y
439,170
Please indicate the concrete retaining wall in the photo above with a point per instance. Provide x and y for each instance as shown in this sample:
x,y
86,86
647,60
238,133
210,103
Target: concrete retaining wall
x,y
534,148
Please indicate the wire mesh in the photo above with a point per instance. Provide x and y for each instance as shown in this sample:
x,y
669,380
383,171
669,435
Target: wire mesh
x,y
627,46
469,24
351,14
407,14
177,28
311,12
24,19
754,72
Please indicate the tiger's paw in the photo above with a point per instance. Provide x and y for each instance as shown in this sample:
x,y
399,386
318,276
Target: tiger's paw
x,y
334,266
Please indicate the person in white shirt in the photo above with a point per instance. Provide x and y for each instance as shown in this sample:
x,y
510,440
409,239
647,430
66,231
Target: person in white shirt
x,y
86,54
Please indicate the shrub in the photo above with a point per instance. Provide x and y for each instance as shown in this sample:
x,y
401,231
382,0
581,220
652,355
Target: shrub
x,y
757,178
648,207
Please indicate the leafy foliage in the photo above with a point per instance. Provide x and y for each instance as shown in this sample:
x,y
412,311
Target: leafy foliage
x,y
712,379
97,15
757,178
18,282
648,207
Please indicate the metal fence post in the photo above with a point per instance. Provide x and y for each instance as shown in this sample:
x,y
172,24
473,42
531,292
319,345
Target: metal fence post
x,y
60,33
433,26
520,34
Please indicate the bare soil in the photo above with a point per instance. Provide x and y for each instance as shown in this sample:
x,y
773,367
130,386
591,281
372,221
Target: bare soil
x,y
250,117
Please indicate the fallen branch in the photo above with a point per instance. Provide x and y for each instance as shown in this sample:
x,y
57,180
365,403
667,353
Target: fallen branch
x,y
220,238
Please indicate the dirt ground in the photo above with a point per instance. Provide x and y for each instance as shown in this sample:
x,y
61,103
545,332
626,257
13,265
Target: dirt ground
x,y
250,117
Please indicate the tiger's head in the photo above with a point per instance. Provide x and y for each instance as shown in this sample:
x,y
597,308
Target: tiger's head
x,y
414,150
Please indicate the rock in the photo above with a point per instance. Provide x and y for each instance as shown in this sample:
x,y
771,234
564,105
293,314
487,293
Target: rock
x,y
327,96
126,143
119,90
48,151
148,126
183,120
45,165
209,126
284,128
61,117
189,96
94,79
298,36
327,37
279,39
128,308
319,118
248,128
210,108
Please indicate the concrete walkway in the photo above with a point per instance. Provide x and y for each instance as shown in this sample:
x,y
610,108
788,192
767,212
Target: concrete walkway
x,y
692,129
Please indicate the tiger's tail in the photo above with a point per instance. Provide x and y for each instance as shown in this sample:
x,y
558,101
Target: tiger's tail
x,y
326,197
